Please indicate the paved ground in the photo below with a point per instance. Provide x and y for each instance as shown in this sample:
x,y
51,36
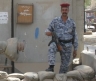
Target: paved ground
x,y
34,67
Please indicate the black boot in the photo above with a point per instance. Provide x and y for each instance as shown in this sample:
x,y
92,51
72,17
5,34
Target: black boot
x,y
50,68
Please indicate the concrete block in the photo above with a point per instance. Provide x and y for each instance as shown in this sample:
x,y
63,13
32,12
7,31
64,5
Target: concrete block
x,y
87,58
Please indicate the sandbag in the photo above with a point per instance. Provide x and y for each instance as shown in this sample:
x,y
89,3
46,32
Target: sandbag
x,y
60,77
64,77
72,79
30,76
16,75
3,80
3,74
74,74
3,46
46,75
24,80
11,50
86,71
12,79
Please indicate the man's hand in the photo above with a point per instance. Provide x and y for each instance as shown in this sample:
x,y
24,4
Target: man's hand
x,y
48,33
74,53
59,47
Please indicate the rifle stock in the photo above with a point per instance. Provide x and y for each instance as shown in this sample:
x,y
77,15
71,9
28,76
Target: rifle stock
x,y
55,39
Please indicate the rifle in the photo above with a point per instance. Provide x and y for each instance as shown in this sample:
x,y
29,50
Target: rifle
x,y
55,39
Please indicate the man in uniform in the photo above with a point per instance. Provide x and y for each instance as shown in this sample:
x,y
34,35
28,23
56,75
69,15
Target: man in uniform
x,y
65,29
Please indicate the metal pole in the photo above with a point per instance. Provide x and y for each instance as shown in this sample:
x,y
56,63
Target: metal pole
x,y
84,17
87,49
12,28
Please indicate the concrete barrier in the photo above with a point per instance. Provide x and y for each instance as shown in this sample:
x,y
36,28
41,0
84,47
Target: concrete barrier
x,y
89,58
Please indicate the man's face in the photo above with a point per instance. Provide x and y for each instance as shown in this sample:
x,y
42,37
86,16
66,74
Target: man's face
x,y
64,11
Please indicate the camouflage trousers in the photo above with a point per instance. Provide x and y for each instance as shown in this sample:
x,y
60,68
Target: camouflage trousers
x,y
65,56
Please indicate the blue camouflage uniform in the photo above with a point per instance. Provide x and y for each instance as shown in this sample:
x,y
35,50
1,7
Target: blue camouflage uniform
x,y
64,31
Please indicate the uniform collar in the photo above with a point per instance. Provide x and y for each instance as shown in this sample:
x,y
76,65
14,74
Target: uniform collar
x,y
66,20
61,18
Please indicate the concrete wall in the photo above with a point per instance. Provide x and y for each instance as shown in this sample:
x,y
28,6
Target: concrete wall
x,y
5,29
44,12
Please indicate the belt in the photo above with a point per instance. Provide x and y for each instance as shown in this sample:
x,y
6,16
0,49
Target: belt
x,y
66,41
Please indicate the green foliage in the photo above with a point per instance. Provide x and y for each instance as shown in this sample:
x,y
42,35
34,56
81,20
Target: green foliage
x,y
87,3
